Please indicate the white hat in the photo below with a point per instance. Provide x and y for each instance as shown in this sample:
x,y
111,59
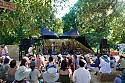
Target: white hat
x,y
22,72
50,75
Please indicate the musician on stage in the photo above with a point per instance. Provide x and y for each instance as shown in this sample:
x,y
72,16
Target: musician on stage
x,y
53,48
63,48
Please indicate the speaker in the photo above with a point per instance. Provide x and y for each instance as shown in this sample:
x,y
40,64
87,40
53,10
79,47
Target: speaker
x,y
25,42
103,41
24,47
104,45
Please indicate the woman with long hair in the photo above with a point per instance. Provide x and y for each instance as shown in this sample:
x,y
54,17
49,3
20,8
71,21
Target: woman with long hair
x,y
65,73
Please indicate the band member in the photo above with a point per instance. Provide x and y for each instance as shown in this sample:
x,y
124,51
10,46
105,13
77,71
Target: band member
x,y
53,48
63,48
69,47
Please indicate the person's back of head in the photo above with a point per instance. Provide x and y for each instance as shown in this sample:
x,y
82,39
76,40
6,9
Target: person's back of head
x,y
81,63
32,65
23,62
50,59
13,64
63,65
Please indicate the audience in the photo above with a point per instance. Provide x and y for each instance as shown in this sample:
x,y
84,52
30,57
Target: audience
x,y
21,75
81,75
65,73
104,64
34,74
120,78
10,74
50,76
50,63
96,62
5,68
121,63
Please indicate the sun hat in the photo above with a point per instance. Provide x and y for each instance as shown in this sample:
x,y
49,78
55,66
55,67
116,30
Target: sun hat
x,y
22,72
50,75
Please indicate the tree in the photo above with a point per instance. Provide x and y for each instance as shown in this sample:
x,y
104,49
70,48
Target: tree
x,y
98,19
27,20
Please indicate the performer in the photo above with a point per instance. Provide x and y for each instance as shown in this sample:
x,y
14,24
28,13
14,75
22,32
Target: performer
x,y
69,47
53,48
63,48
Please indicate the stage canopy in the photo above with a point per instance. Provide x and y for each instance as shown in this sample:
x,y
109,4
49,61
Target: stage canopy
x,y
46,34
71,34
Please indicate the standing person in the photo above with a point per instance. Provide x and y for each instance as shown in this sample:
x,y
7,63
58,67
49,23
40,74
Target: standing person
x,y
30,51
4,50
69,48
53,48
81,75
63,48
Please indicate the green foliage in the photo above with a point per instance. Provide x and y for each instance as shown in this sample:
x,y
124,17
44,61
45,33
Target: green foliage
x,y
27,20
97,19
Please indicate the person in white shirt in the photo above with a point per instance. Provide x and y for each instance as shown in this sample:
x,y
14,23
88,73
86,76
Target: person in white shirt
x,y
30,50
34,74
53,48
81,75
4,50
104,64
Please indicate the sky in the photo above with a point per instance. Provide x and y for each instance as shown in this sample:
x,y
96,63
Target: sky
x,y
66,8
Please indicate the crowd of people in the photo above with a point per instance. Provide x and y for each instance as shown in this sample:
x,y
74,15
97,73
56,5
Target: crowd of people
x,y
38,68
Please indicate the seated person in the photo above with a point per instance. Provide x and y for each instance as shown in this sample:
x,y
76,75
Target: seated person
x,y
121,63
112,62
104,64
96,62
50,64
120,78
65,73
50,76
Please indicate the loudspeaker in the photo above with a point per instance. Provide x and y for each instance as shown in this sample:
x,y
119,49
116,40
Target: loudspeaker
x,y
24,47
104,45
103,41
25,42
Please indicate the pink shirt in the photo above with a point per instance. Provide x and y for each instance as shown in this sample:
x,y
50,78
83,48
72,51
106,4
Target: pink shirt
x,y
38,62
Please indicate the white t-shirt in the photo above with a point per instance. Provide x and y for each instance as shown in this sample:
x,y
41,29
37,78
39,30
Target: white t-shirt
x,y
53,46
81,75
33,77
105,66
30,50
5,50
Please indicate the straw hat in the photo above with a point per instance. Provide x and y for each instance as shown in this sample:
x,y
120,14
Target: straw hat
x,y
50,75
22,73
